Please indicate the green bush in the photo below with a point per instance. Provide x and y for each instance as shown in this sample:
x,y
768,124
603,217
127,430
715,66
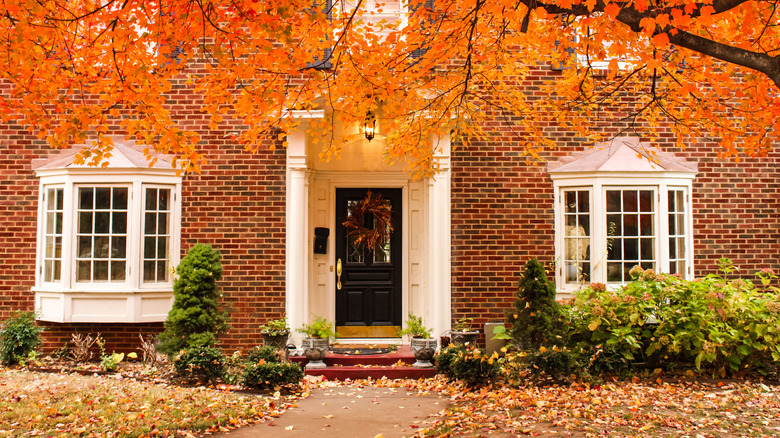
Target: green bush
x,y
269,375
205,364
665,321
536,317
265,353
468,364
19,337
555,363
195,320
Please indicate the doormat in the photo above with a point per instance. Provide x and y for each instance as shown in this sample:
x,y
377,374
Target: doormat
x,y
361,349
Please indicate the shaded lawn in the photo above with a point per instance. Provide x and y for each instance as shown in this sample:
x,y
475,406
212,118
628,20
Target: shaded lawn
x,y
72,405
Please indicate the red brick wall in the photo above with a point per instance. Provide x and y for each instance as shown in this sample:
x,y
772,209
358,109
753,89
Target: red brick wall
x,y
237,204
18,217
502,215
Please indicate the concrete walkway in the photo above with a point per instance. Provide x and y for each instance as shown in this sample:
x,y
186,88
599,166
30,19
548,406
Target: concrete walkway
x,y
351,411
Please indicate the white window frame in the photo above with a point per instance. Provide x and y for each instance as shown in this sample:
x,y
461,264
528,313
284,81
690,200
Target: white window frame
x,y
598,183
131,300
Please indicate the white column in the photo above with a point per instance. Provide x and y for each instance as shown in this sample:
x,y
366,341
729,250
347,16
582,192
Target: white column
x,y
296,259
439,245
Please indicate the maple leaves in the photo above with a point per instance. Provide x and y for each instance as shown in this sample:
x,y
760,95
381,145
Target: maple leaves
x,y
33,404
81,70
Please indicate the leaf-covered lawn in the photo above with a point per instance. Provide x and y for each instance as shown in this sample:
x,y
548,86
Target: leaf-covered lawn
x,y
616,409
72,405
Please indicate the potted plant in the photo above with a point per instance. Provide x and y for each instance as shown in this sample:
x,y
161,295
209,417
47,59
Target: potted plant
x,y
462,333
316,344
422,345
275,333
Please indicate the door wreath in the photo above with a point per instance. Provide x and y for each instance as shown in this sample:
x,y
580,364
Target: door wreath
x,y
354,225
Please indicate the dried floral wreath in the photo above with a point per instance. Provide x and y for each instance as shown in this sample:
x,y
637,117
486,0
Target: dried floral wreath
x,y
377,206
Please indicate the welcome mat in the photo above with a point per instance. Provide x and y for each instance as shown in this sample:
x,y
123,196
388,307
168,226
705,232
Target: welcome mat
x,y
361,349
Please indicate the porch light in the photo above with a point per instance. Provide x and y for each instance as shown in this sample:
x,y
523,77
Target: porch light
x,y
369,126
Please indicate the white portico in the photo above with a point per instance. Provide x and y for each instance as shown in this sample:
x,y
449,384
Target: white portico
x,y
419,257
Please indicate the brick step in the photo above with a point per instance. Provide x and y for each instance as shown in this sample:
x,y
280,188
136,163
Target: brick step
x,y
393,365
374,372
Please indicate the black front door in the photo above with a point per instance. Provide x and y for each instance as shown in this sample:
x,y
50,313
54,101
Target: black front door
x,y
368,279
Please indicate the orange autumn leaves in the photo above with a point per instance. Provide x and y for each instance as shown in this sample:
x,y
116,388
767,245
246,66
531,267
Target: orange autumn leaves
x,y
74,70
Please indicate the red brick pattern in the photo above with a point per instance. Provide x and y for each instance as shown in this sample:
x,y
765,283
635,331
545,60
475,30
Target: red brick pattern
x,y
502,214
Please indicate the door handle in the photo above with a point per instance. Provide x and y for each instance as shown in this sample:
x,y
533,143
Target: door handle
x,y
338,274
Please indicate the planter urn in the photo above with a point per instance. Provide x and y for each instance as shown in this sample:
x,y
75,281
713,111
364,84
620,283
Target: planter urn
x,y
315,350
463,338
278,341
423,350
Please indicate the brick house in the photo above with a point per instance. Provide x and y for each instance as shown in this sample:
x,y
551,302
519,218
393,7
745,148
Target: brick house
x,y
91,248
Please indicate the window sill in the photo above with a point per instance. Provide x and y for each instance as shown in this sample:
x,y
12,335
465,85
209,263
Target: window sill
x,y
113,307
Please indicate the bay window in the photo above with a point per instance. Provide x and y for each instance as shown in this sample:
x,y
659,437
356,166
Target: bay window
x,y
615,209
107,240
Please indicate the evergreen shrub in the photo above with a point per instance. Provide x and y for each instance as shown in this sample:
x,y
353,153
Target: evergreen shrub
x,y
269,375
535,318
196,319
205,364
468,364
19,337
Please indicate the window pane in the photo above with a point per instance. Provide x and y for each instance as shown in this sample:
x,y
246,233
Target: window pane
x,y
103,198
85,222
119,247
102,220
85,198
118,270
614,225
584,226
630,249
85,246
646,201
162,272
163,203
149,247
150,223
630,225
83,272
629,200
583,204
119,223
162,248
571,202
120,198
101,247
613,200
162,223
149,271
614,272
672,249
646,225
571,225
646,246
151,199
101,271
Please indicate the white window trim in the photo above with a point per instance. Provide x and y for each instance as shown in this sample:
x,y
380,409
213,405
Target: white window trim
x,y
598,183
128,301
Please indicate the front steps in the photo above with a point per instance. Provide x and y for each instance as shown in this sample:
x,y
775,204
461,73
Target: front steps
x,y
393,365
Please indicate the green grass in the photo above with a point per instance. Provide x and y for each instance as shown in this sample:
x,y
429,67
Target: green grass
x,y
34,404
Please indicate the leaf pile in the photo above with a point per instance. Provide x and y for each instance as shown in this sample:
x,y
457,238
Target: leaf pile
x,y
71,405
616,409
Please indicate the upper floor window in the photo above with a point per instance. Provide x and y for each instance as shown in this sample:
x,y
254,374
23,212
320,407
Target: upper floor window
x,y
615,209
110,231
